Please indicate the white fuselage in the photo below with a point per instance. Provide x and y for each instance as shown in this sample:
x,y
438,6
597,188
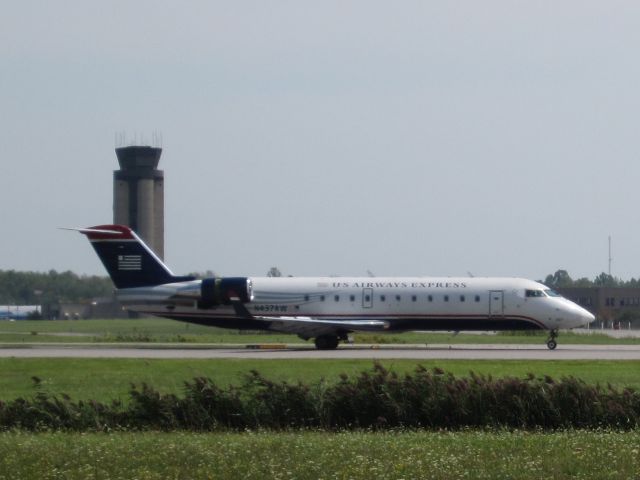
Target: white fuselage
x,y
412,303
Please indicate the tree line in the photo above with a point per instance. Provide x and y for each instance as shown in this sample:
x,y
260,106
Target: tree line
x,y
36,288
562,279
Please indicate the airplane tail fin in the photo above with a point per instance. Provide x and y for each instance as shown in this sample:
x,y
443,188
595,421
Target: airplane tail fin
x,y
128,260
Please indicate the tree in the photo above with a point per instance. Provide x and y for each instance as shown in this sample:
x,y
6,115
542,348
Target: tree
x,y
205,274
560,279
606,280
629,317
274,272
583,282
35,288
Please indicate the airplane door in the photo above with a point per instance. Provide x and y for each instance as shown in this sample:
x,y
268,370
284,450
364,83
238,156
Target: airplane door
x,y
496,303
367,297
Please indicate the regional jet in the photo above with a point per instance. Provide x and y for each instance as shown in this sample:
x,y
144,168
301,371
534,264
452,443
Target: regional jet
x,y
327,309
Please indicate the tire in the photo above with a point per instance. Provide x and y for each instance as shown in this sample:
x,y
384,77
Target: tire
x,y
326,342
552,344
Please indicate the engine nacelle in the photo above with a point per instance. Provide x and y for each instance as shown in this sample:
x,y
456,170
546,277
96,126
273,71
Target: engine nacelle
x,y
225,291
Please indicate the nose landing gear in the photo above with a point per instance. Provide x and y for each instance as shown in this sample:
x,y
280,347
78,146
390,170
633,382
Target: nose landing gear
x,y
551,342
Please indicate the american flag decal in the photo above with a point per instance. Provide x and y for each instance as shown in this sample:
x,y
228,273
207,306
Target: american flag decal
x,y
129,262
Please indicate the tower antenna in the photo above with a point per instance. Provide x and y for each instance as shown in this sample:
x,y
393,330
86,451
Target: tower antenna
x,y
610,255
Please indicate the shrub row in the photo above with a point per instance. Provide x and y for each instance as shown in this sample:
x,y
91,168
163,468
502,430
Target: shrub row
x,y
373,399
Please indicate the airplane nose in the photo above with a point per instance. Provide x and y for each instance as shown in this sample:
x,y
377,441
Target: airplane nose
x,y
584,317
571,315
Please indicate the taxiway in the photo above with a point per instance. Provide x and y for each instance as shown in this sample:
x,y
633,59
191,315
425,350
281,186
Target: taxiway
x,y
278,351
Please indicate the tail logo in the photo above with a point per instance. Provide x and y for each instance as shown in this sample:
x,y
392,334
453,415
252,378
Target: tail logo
x,y
129,262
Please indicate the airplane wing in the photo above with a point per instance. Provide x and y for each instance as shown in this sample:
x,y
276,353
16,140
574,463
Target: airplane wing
x,y
311,327
308,327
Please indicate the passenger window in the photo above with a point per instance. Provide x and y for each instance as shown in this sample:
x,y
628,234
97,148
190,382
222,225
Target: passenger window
x,y
382,298
477,298
322,298
352,298
306,298
462,298
446,298
337,298
397,298
430,298
367,298
413,298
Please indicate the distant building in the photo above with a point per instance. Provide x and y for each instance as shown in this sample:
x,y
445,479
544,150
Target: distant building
x,y
138,194
606,303
19,312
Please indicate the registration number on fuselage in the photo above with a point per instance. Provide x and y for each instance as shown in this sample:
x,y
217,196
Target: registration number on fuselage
x,y
270,308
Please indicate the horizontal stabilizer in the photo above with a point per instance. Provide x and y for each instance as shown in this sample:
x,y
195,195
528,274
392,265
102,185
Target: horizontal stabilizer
x,y
91,230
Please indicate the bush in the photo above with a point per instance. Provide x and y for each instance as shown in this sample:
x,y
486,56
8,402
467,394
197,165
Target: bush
x,y
375,399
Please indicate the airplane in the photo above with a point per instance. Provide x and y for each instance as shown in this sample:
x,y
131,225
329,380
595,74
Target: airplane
x,y
327,309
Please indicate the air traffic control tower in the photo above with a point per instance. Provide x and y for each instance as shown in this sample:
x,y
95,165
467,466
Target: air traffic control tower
x,y
138,194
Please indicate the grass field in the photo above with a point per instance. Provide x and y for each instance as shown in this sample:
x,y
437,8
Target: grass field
x,y
315,455
141,330
145,330
107,379
150,455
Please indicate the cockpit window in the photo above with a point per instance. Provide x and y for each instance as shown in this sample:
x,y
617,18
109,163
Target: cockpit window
x,y
552,293
534,293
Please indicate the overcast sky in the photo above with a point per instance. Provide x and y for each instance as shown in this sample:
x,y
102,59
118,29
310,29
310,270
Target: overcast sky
x,y
329,138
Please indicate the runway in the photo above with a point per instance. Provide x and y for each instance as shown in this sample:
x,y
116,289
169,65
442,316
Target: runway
x,y
412,352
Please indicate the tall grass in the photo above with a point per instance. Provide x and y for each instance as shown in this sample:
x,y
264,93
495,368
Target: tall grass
x,y
372,399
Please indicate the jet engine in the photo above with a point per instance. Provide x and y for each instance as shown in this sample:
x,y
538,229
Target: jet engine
x,y
225,291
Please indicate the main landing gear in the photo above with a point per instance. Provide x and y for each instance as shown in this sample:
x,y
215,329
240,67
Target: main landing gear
x,y
327,342
551,342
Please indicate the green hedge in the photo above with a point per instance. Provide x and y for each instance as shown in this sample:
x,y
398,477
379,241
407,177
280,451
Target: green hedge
x,y
373,399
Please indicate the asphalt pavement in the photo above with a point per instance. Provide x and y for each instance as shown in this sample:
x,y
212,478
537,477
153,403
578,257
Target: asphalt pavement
x,y
293,351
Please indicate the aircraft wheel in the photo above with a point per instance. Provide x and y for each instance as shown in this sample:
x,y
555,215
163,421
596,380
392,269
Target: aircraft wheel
x,y
551,343
326,342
